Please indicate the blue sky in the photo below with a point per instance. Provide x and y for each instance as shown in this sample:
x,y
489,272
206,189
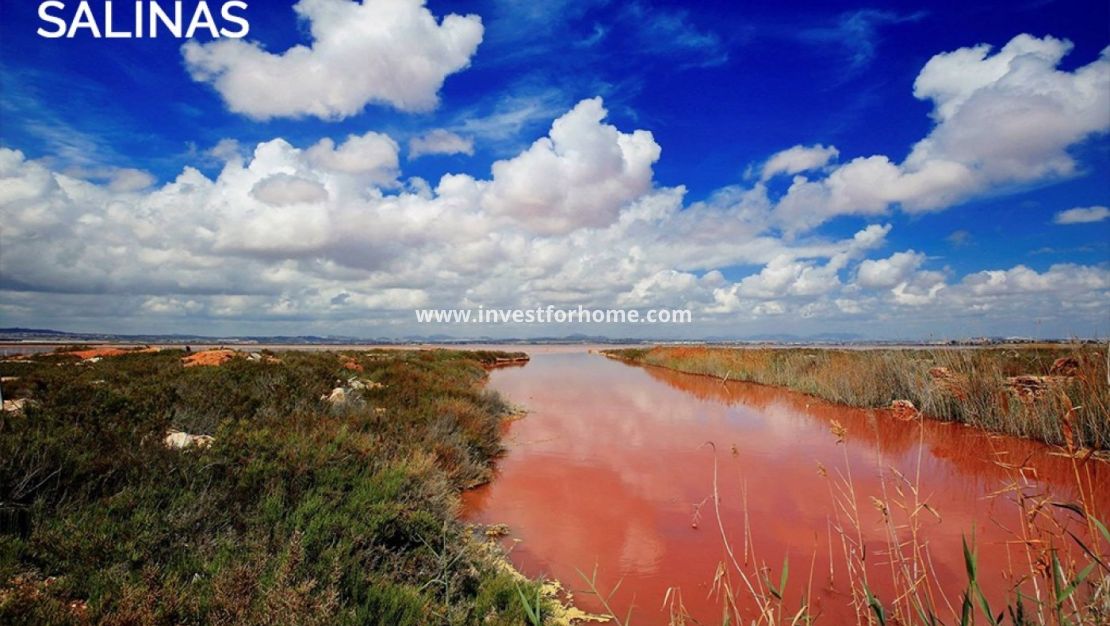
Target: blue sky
x,y
721,87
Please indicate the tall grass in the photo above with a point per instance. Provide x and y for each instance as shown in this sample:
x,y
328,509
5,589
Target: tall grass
x,y
299,512
1059,566
1050,581
1016,391
1059,574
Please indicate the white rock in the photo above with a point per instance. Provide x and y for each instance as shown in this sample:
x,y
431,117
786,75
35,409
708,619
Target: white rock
x,y
178,440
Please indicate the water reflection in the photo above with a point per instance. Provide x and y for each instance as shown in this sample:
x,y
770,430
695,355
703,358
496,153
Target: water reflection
x,y
611,467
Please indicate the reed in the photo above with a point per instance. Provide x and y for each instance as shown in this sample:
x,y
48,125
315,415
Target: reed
x,y
1059,568
1048,393
1061,576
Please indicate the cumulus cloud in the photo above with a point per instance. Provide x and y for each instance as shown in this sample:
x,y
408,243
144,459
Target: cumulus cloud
x,y
923,288
439,141
1000,119
888,272
799,159
225,150
793,272
1010,116
1082,215
1023,280
372,155
129,179
329,236
581,174
283,189
391,52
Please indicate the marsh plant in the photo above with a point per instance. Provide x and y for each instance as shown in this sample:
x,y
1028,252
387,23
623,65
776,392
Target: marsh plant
x,y
1058,573
1049,393
299,511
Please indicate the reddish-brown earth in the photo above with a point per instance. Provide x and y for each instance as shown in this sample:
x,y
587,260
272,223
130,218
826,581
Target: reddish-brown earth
x,y
93,353
208,357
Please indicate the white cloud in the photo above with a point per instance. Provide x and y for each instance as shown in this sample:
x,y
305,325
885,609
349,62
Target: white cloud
x,y
785,276
921,289
1001,119
951,79
1009,117
439,141
580,175
668,285
329,238
1023,280
792,272
888,272
283,189
225,150
868,186
128,179
799,159
373,155
391,52
1082,215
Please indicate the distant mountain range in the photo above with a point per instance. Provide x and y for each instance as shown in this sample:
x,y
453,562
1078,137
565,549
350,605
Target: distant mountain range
x,y
44,335
54,336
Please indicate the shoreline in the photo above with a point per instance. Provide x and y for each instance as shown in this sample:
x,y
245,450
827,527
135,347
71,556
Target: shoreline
x,y
1050,401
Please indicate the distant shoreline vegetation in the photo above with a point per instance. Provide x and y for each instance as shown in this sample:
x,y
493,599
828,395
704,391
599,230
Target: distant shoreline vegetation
x,y
1058,394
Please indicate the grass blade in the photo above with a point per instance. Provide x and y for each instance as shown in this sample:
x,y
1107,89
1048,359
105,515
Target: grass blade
x,y
876,606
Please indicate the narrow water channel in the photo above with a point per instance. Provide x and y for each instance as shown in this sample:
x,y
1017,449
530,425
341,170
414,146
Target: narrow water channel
x,y
611,468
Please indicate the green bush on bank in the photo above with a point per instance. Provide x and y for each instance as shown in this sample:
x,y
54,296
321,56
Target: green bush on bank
x,y
300,512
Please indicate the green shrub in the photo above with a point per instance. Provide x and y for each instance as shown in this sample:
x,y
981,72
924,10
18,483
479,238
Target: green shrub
x,y
298,512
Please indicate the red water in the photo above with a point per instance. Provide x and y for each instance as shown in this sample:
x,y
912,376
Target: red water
x,y
610,467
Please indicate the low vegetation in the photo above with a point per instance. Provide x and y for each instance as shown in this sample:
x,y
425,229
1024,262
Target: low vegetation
x,y
283,502
1056,394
